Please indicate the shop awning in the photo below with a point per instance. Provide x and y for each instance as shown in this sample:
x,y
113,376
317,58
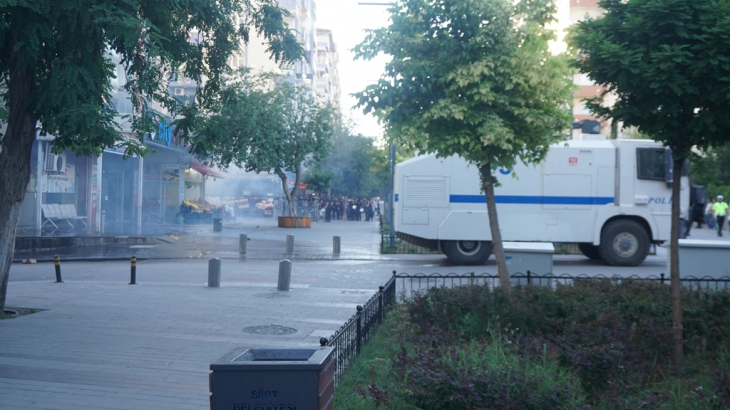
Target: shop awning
x,y
207,171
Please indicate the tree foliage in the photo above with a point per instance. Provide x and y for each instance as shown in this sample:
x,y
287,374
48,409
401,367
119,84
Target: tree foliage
x,y
319,179
66,46
668,64
467,79
359,166
263,123
712,170
56,73
473,78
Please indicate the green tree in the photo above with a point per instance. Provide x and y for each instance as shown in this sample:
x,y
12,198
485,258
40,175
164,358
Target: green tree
x,y
473,78
360,167
263,123
56,71
668,63
319,179
712,170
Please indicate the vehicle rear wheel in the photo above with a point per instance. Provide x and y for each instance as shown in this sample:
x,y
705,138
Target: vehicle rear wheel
x,y
467,252
624,243
589,250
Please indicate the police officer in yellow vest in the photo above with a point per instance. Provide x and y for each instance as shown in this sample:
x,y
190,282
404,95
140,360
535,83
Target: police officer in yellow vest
x,y
719,208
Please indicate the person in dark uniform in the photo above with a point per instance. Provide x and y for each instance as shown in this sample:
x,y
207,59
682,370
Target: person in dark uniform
x,y
338,209
327,211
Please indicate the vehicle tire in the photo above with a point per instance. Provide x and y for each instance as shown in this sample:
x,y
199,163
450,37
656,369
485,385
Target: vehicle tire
x,y
624,243
467,252
589,250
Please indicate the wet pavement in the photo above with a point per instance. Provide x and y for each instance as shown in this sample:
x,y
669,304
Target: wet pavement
x,y
359,240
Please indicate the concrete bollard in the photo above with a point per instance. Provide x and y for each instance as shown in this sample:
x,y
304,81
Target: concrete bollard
x,y
289,245
57,262
336,245
133,272
284,274
242,238
214,273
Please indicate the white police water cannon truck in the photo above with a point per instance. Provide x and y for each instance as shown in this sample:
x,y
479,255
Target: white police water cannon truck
x,y
612,197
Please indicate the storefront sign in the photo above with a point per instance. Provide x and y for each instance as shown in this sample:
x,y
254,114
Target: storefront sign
x,y
64,183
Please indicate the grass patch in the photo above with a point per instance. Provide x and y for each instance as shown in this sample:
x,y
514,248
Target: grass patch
x,y
598,344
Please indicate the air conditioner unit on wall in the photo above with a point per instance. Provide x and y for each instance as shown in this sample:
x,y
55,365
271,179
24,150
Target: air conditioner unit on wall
x,y
179,91
54,162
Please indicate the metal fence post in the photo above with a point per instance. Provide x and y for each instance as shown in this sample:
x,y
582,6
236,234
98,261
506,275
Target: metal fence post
x,y
133,271
661,278
214,273
284,275
380,303
242,238
289,245
57,262
336,245
529,279
358,334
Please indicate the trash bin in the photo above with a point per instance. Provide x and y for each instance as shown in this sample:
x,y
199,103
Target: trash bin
x,y
286,379
217,224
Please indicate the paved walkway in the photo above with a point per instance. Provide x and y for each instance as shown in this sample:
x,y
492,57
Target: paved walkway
x,y
359,240
103,344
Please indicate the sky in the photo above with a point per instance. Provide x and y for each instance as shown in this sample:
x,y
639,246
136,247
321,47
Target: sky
x,y
347,19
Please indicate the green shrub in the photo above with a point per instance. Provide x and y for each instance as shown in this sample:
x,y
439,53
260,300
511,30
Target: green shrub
x,y
598,342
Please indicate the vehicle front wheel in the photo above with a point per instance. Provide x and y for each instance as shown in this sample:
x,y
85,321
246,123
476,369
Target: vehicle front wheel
x,y
589,250
624,243
467,252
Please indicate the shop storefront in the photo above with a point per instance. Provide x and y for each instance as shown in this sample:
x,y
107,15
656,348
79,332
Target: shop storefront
x,y
121,193
61,197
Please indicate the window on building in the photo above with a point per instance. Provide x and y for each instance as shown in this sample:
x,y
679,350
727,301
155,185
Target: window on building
x,y
583,79
581,109
237,61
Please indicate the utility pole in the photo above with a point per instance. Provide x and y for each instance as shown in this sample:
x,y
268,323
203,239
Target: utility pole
x,y
391,165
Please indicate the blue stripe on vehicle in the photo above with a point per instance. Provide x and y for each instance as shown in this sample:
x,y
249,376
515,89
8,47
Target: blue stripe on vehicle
x,y
536,200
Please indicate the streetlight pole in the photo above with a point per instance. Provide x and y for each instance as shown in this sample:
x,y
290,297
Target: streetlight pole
x,y
391,210
391,165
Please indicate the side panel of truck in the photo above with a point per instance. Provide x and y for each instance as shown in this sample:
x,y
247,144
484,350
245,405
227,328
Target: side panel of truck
x,y
567,198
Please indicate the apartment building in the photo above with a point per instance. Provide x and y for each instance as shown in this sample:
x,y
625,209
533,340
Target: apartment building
x,y
327,77
302,21
578,10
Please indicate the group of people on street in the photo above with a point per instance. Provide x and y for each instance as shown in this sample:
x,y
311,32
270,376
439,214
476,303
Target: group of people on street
x,y
716,213
353,209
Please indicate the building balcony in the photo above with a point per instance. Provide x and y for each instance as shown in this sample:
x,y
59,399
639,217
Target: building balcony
x,y
288,4
584,3
588,91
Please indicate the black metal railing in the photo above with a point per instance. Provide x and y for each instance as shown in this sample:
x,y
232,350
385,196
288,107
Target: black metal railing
x,y
360,328
407,285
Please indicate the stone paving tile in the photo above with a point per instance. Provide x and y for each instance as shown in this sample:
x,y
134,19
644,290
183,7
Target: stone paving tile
x,y
105,345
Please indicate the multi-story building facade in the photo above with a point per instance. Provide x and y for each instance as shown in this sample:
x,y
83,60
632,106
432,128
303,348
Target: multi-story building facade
x,y
110,193
327,77
303,21
578,10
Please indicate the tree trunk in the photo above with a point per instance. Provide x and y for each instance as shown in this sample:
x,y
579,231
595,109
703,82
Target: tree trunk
x,y
498,249
297,181
287,194
15,155
677,323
